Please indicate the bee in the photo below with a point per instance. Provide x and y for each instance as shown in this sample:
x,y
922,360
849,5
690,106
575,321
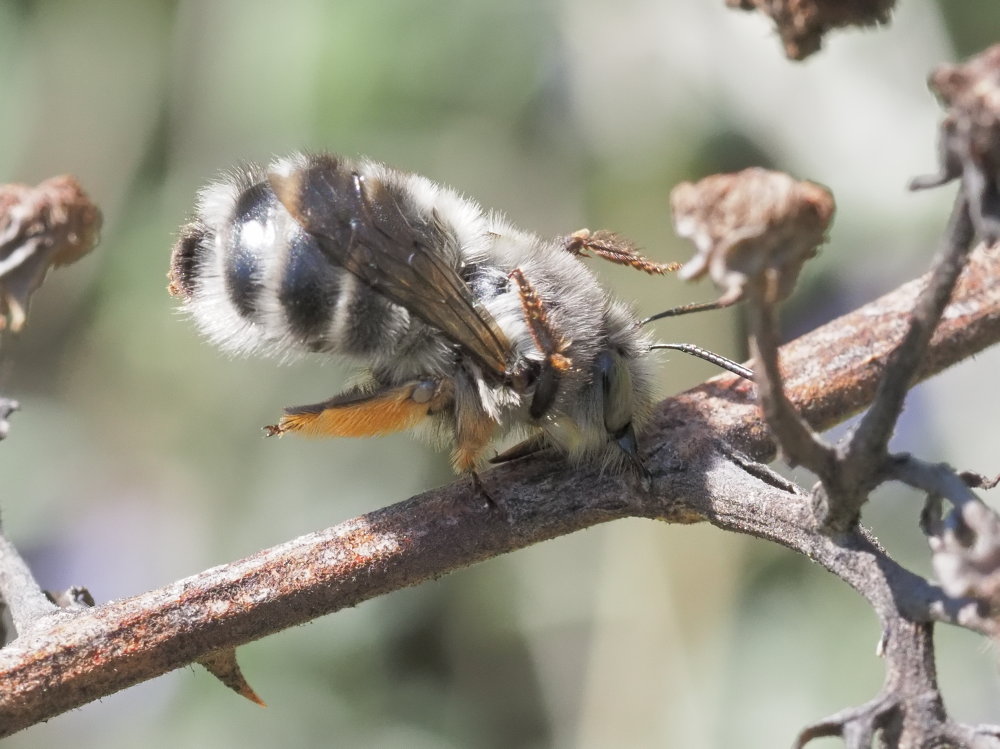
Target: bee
x,y
468,328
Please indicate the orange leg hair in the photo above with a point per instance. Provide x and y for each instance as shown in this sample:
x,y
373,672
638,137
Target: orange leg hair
x,y
473,433
366,414
391,410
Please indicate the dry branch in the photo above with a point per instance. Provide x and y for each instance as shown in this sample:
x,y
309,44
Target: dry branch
x,y
702,449
19,592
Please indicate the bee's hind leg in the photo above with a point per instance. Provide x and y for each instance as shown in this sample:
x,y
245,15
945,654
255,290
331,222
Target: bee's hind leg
x,y
366,413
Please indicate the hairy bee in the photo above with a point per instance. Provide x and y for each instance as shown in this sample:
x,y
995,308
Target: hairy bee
x,y
467,327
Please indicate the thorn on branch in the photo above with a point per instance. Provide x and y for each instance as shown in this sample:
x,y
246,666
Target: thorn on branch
x,y
41,227
801,24
223,666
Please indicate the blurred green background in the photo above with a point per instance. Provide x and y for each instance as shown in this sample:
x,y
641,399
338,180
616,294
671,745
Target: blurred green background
x,y
137,458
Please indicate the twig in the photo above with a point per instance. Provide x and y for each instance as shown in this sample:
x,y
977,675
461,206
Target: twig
x,y
908,711
933,478
848,475
26,601
800,444
863,459
908,708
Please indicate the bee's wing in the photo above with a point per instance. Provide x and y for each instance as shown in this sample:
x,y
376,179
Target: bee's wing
x,y
359,223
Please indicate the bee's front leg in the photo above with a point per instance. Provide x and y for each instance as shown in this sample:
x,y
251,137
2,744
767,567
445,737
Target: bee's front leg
x,y
614,249
550,342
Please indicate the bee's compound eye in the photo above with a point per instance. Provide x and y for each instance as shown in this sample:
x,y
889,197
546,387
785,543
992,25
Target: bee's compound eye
x,y
612,372
423,391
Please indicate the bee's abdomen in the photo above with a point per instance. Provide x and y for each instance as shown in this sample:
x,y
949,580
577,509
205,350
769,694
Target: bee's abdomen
x,y
246,244
254,280
309,289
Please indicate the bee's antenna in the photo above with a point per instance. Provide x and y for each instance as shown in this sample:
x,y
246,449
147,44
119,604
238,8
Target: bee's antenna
x,y
716,359
686,309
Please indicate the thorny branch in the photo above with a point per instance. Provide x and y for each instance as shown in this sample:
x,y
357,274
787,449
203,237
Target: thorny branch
x,y
702,453
19,592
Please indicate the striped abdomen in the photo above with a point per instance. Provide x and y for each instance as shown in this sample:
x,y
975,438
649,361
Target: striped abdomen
x,y
254,281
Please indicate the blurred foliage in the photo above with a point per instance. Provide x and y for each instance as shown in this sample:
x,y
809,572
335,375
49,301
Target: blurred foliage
x,y
137,460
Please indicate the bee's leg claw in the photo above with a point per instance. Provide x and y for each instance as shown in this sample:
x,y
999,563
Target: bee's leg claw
x,y
492,503
479,490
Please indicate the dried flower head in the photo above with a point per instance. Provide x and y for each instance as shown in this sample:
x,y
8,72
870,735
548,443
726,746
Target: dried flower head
x,y
966,554
40,227
801,24
755,225
969,140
